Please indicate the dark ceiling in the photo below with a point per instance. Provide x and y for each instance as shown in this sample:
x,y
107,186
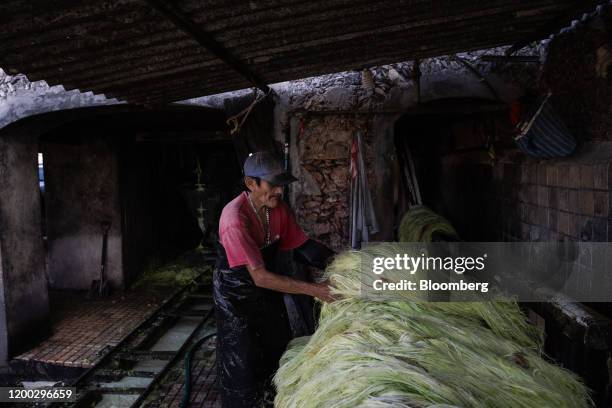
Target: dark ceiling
x,y
155,51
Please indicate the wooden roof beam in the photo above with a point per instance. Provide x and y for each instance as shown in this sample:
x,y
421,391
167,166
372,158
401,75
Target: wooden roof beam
x,y
183,22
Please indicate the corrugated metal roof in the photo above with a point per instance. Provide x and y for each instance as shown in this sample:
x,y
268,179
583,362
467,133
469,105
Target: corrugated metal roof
x,y
130,50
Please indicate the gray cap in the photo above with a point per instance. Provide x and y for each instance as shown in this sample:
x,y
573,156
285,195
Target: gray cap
x,y
267,166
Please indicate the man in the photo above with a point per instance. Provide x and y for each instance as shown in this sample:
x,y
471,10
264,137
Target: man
x,y
252,325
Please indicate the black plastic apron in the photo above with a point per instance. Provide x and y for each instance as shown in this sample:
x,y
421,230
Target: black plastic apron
x,y
252,332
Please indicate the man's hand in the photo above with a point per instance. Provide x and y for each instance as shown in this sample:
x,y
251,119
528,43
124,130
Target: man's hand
x,y
322,291
266,279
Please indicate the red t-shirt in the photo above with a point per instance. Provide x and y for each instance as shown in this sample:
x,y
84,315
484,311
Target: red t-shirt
x,y
242,234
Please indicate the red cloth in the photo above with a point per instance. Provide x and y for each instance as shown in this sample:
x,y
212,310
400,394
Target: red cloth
x,y
516,110
242,234
354,157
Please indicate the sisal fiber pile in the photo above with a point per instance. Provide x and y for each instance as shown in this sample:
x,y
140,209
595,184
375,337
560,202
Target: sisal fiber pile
x,y
403,353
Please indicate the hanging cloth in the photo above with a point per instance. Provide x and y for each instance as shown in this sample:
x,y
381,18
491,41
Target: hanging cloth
x,y
363,216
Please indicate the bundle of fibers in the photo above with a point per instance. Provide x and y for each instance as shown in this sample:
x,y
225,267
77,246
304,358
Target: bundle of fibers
x,y
349,279
403,353
420,223
179,272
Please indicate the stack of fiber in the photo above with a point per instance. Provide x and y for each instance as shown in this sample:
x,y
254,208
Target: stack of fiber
x,y
402,353
420,223
179,272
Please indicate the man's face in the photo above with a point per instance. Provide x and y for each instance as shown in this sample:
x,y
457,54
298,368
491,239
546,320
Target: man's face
x,y
265,193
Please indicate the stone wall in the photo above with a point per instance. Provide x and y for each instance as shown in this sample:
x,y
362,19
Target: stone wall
x,y
319,116
322,193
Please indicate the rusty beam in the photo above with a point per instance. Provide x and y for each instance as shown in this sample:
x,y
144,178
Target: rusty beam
x,y
182,21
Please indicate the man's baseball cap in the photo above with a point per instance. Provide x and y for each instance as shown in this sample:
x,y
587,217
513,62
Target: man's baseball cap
x,y
267,166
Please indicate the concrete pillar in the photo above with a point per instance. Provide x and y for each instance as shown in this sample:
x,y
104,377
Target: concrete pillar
x,y
81,191
24,300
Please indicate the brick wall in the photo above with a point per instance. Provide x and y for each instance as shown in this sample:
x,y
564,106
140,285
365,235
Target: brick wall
x,y
529,201
564,201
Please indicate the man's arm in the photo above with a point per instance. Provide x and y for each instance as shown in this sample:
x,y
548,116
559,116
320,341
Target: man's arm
x,y
268,280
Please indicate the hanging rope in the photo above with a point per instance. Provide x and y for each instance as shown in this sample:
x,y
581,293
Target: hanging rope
x,y
238,120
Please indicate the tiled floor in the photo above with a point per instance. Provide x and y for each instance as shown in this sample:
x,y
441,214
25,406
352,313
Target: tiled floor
x,y
203,377
84,328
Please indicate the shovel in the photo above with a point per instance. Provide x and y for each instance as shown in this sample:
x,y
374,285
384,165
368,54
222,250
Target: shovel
x,y
100,287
